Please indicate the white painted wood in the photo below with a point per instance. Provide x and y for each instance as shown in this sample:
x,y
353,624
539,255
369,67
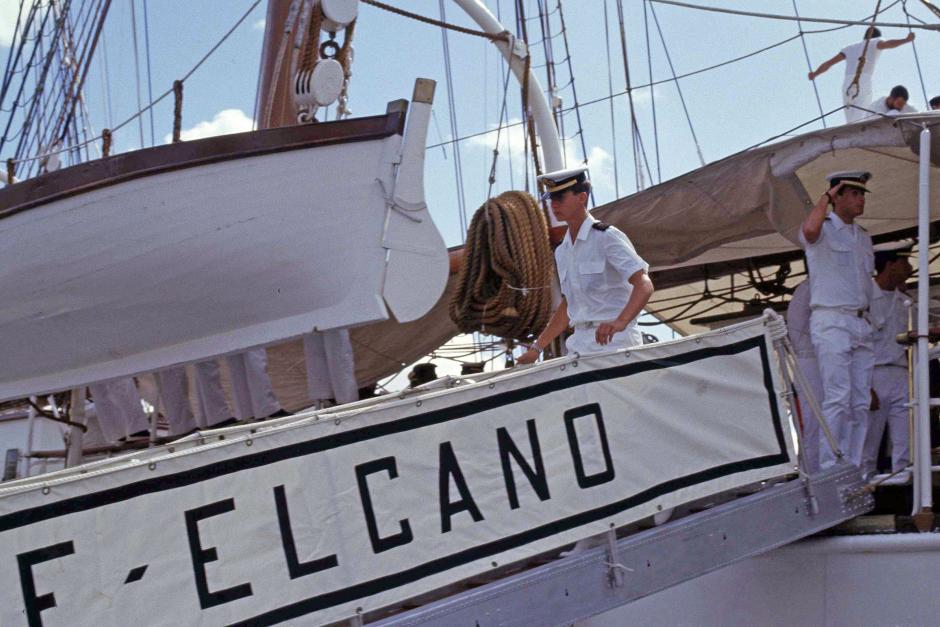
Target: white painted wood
x,y
204,261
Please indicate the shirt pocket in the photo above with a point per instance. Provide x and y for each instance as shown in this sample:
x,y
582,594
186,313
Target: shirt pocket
x,y
841,252
591,274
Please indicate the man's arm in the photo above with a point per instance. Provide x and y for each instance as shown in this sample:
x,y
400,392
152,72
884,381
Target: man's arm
x,y
642,290
828,64
885,44
812,225
556,324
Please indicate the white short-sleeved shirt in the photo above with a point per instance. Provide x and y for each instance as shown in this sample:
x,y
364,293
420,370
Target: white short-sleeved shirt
x,y
852,54
798,312
841,264
888,318
595,272
879,106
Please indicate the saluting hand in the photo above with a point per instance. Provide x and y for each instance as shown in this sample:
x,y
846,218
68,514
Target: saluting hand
x,y
606,331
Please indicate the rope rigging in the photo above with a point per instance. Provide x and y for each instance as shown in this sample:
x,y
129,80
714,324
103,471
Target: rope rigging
x,y
809,64
861,59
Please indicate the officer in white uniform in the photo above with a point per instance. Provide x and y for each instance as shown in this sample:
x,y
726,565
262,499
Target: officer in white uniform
x,y
119,410
174,393
798,314
331,370
889,316
840,259
604,282
861,96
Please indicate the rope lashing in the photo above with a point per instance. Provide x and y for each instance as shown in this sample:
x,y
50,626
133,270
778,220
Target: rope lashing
x,y
105,142
177,110
504,283
861,59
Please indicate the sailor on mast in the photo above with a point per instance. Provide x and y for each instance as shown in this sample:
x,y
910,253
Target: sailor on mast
x,y
840,259
604,282
856,86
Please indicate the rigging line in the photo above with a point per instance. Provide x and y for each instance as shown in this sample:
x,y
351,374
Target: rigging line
x,y
451,104
502,114
86,61
634,127
153,136
773,16
162,96
574,89
440,23
678,88
29,64
808,62
610,90
140,120
549,65
106,80
649,67
920,74
14,59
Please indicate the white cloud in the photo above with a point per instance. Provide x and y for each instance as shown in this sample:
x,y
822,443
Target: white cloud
x,y
259,25
9,9
224,122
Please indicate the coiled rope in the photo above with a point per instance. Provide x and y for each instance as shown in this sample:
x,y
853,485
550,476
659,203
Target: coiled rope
x,y
504,287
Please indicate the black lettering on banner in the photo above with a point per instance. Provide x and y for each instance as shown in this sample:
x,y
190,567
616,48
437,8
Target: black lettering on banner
x,y
537,478
447,468
379,543
584,480
295,567
36,604
201,556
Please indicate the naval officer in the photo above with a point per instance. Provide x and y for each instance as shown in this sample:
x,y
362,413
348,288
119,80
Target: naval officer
x,y
889,317
841,262
604,282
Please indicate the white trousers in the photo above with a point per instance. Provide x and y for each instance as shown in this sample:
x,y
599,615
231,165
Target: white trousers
x,y
174,393
844,350
118,408
331,369
251,387
813,439
583,341
890,384
863,99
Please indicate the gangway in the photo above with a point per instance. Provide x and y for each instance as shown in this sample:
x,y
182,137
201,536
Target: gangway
x,y
579,586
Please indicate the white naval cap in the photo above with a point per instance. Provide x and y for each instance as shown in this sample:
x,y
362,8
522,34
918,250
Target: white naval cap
x,y
851,178
561,180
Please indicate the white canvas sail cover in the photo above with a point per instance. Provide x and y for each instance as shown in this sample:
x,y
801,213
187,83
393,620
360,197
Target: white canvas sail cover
x,y
324,516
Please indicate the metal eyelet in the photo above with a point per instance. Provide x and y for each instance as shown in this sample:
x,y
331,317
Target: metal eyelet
x,y
152,466
249,442
45,489
417,403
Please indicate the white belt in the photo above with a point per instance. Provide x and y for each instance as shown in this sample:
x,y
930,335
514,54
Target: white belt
x,y
855,313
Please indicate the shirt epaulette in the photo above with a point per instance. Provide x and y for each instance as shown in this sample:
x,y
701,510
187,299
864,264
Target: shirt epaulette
x,y
600,226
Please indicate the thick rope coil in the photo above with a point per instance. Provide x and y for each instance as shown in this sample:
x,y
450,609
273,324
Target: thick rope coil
x,y
504,287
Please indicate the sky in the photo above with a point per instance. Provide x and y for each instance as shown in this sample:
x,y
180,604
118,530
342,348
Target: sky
x,y
731,108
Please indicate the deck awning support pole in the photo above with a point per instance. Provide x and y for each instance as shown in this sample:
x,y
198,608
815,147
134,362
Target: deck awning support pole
x,y
923,501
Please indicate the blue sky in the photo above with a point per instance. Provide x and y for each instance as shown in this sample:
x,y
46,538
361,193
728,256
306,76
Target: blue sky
x,y
731,108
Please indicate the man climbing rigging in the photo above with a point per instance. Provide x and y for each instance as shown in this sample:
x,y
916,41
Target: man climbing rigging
x,y
860,59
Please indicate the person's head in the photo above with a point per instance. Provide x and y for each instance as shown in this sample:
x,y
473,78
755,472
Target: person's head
x,y
872,33
893,267
567,192
849,201
935,103
897,98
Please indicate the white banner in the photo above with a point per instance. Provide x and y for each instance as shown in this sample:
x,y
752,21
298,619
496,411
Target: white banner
x,y
316,520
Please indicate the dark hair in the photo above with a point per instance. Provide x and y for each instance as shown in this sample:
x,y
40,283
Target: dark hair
x,y
899,91
583,186
872,33
883,258
935,101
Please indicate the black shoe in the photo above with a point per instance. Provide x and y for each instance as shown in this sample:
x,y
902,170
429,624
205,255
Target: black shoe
x,y
228,422
281,413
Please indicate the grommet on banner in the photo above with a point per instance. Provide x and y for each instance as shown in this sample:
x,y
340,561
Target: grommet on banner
x,y
418,404
45,489
492,385
152,466
248,442
561,368
337,422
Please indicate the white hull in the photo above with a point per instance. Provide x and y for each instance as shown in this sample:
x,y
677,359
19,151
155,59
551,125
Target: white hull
x,y
872,580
